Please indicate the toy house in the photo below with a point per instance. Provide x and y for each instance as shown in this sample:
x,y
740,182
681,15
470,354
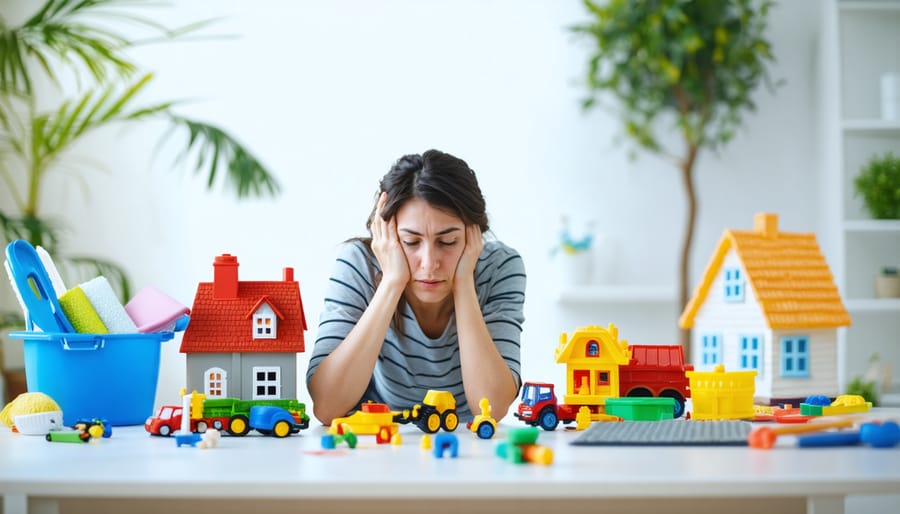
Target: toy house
x,y
592,357
767,302
244,336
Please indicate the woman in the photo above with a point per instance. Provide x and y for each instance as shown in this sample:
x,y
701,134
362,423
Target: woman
x,y
424,303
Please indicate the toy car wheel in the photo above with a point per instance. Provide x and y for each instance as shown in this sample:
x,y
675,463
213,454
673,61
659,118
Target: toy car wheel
x,y
485,430
239,425
432,423
217,424
548,420
281,429
383,435
201,427
449,420
165,431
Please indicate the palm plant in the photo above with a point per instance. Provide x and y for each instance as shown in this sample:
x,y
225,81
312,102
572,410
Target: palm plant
x,y
33,141
79,38
695,63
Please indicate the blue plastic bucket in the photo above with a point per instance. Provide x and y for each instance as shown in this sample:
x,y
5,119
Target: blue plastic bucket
x,y
108,376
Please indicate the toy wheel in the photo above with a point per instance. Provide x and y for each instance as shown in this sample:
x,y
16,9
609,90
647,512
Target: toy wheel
x,y
432,423
95,431
239,425
679,402
548,420
202,427
217,424
165,431
449,420
281,429
383,435
485,430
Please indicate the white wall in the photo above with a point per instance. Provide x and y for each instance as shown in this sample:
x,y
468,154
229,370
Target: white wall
x,y
329,94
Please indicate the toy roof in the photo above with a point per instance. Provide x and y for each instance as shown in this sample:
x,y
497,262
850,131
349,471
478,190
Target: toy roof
x,y
608,337
225,325
787,273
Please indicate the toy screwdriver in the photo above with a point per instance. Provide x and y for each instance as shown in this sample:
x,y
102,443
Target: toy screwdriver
x,y
765,437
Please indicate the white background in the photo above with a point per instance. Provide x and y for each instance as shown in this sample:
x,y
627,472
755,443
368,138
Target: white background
x,y
329,94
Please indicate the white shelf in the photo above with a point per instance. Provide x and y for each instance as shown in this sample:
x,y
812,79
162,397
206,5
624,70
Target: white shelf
x,y
602,293
872,225
874,305
871,125
870,5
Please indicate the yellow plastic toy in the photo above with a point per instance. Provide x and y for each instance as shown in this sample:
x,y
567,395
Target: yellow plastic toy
x,y
371,419
27,403
719,394
484,425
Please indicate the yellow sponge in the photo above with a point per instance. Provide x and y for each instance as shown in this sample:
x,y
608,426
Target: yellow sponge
x,y
27,403
77,307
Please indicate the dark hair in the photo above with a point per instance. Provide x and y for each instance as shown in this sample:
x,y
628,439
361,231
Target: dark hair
x,y
444,181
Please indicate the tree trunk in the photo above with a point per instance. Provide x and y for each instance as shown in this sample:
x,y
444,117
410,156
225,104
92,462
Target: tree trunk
x,y
687,178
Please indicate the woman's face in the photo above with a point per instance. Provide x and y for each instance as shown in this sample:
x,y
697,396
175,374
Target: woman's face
x,y
433,242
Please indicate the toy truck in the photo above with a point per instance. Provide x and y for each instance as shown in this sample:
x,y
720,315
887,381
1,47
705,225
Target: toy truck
x,y
229,414
437,411
600,366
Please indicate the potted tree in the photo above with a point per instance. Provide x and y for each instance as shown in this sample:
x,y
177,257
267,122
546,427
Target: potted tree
x,y
91,41
878,183
692,63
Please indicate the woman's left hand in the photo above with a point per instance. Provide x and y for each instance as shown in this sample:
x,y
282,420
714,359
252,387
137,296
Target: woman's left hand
x,y
465,269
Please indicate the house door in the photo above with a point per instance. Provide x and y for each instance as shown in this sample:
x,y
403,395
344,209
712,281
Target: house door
x,y
581,381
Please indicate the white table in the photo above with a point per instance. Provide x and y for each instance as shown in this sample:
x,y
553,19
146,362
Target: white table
x,y
35,475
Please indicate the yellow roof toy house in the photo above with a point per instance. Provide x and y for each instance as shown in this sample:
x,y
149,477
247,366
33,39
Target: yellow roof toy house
x,y
767,302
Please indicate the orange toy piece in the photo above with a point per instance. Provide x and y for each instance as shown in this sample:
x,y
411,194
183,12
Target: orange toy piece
x,y
765,437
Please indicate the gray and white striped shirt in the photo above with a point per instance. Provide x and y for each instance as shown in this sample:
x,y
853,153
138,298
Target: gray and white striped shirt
x,y
412,363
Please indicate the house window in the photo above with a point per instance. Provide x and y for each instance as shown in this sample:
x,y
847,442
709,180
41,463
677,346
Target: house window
x,y
603,378
266,382
795,357
592,349
215,383
734,285
264,323
711,350
750,352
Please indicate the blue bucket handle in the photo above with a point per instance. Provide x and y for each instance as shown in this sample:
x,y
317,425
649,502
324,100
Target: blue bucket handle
x,y
82,345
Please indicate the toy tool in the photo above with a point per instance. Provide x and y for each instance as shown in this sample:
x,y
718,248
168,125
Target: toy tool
x,y
765,437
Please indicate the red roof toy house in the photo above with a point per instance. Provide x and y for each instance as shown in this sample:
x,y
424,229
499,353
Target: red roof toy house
x,y
244,337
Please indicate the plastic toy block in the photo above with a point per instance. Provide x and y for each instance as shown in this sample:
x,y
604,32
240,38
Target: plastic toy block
x,y
641,409
330,441
520,447
190,439
446,442
425,443
673,432
844,404
719,395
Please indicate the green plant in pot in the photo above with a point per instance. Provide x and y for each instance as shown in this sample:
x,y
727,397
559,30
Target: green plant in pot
x,y
694,64
878,183
90,41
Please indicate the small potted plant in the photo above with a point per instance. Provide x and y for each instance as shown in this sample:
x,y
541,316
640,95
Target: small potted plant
x,y
887,284
879,185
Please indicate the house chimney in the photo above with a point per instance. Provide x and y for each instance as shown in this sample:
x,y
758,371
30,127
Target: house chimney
x,y
225,277
766,224
288,275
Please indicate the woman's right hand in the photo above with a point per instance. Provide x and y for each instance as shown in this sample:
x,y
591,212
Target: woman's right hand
x,y
387,248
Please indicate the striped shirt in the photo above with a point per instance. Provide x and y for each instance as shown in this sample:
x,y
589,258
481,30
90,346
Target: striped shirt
x,y
412,363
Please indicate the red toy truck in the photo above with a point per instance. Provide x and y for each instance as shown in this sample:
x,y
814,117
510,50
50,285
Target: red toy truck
x,y
229,414
651,371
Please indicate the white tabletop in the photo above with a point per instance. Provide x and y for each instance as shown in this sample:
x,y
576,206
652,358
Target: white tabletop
x,y
133,463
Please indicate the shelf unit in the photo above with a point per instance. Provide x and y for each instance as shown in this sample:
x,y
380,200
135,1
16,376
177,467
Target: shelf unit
x,y
617,293
859,44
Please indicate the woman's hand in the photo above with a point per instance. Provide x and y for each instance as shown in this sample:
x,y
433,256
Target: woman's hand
x,y
465,269
387,248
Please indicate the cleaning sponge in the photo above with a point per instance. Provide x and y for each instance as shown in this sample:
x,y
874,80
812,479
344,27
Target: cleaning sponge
x,y
107,305
77,307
